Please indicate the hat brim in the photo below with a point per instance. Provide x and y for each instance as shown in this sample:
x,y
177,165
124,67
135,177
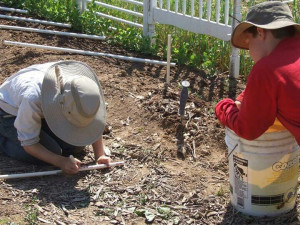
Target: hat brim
x,y
239,37
59,125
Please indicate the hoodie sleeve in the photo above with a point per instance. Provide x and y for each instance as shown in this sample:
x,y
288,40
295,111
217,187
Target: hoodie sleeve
x,y
240,96
259,106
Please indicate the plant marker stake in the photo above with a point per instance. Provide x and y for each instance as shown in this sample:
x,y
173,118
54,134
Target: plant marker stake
x,y
54,172
183,97
169,58
83,52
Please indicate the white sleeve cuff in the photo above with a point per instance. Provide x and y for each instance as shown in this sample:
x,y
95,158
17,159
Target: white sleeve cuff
x,y
30,141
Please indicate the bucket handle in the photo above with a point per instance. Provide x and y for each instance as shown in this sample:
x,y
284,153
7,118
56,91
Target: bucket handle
x,y
233,149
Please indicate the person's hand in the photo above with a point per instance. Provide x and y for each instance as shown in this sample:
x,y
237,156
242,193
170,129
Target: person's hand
x,y
238,104
103,159
70,165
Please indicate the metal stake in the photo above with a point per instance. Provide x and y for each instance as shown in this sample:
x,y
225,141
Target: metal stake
x,y
183,97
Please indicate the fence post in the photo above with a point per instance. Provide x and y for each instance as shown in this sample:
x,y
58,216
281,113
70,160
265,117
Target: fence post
x,y
81,5
84,5
148,20
234,69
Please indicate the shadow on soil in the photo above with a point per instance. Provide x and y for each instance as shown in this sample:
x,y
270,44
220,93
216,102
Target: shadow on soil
x,y
233,217
208,87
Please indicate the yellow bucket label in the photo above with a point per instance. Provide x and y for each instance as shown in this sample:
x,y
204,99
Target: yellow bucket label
x,y
263,175
273,172
283,171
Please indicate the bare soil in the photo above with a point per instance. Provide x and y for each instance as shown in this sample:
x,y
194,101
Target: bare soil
x,y
175,172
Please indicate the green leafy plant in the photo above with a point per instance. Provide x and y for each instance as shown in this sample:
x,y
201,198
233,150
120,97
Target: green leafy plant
x,y
143,199
221,191
31,214
164,211
4,221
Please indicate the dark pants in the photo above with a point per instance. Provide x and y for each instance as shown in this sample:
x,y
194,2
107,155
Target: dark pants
x,y
11,146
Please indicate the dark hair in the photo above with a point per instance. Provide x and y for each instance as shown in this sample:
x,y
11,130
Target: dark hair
x,y
277,33
252,30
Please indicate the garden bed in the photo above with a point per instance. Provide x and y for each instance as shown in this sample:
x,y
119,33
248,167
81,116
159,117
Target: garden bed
x,y
156,185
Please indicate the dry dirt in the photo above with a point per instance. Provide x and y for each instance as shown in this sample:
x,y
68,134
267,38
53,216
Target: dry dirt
x,y
156,185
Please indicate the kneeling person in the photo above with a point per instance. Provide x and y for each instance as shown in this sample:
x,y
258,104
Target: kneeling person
x,y
48,110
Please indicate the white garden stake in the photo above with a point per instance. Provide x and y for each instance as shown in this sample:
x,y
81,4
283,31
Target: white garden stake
x,y
35,21
54,172
28,29
169,58
83,52
13,10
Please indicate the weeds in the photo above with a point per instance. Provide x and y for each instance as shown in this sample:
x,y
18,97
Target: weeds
x,y
164,211
221,191
31,215
142,199
4,221
31,212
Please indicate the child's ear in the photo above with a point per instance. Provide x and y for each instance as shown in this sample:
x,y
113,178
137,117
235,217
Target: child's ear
x,y
261,33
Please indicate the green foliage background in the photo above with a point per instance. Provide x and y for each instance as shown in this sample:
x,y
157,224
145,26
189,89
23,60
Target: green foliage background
x,y
195,50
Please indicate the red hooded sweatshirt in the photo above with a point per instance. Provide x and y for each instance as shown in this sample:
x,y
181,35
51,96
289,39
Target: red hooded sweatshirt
x,y
273,90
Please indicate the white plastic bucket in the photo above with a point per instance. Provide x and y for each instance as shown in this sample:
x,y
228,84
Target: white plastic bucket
x,y
263,173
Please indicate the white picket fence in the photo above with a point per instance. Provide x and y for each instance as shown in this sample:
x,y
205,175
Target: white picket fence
x,y
184,16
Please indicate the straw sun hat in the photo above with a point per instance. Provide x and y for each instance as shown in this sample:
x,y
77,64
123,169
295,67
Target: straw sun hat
x,y
73,103
266,15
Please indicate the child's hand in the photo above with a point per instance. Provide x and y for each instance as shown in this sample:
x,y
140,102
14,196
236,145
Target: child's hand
x,y
238,104
103,159
70,165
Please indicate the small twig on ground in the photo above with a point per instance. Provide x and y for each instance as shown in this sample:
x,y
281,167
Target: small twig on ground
x,y
194,150
43,220
190,117
96,196
123,221
59,222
